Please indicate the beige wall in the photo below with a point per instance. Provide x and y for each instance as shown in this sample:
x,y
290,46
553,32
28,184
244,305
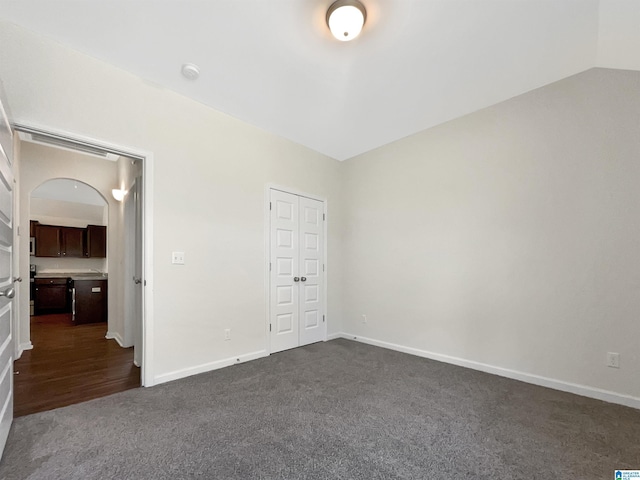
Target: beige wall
x,y
210,172
71,214
508,237
38,164
619,34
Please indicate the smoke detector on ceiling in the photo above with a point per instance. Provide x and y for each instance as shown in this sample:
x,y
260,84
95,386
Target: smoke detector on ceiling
x,y
190,71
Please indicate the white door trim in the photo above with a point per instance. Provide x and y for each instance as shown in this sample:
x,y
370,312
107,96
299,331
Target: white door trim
x,y
147,369
267,255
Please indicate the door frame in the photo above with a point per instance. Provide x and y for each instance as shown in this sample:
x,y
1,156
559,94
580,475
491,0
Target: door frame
x,y
147,378
267,255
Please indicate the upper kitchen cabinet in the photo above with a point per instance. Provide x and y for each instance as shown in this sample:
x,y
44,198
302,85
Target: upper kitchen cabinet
x,y
96,245
32,227
48,241
72,242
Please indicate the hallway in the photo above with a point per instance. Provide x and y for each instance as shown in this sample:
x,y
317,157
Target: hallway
x,y
70,364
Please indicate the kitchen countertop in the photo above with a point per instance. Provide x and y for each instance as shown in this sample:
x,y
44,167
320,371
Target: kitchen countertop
x,y
74,275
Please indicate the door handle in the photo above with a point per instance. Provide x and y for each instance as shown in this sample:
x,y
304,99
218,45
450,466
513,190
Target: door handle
x,y
17,279
137,281
296,279
304,279
9,293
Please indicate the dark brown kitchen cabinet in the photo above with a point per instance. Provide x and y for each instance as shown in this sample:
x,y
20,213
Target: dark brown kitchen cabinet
x,y
89,299
72,242
32,227
96,245
50,296
58,241
48,241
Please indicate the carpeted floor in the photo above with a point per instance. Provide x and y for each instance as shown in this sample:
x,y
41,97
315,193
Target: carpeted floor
x,y
330,410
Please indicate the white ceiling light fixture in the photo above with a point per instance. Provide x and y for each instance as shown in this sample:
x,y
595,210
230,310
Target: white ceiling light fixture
x,y
346,19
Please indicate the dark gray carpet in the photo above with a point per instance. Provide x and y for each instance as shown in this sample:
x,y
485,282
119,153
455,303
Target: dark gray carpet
x,y
330,410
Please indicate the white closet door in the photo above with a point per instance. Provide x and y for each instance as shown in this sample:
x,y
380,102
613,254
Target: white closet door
x,y
297,290
285,254
312,325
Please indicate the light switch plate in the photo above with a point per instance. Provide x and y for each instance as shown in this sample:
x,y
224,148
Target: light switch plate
x,y
177,258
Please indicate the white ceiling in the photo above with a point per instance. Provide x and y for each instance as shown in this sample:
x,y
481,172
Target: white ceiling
x,y
69,191
274,64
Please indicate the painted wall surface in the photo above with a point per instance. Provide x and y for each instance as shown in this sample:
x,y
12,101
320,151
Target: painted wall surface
x,y
37,165
71,213
619,34
210,172
507,237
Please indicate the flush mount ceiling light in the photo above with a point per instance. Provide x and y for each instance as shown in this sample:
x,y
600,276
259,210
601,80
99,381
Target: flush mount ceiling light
x,y
346,18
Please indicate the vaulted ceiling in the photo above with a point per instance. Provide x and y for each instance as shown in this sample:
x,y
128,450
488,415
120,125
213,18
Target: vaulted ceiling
x,y
274,64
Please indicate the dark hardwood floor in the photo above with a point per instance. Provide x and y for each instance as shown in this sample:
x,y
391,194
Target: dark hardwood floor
x,y
70,364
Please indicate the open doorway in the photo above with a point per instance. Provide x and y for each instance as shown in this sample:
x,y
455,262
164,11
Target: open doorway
x,y
78,339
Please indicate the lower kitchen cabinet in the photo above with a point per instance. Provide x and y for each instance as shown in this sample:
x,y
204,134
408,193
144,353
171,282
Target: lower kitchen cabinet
x,y
89,299
50,296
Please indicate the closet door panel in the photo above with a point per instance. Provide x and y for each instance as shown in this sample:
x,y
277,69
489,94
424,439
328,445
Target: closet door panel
x,y
284,264
312,325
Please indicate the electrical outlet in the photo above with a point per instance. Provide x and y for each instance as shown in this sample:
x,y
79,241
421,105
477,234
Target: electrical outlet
x,y
177,258
227,334
613,360
364,318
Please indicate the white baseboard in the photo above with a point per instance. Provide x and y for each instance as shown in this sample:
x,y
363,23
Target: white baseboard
x,y
207,367
582,390
333,336
115,336
22,347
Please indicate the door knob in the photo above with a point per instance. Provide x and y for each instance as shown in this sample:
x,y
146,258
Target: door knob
x,y
304,279
296,279
9,293
137,281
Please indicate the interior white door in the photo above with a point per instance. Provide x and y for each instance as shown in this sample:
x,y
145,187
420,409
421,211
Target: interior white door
x,y
133,271
311,266
139,280
128,339
296,314
285,254
6,280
